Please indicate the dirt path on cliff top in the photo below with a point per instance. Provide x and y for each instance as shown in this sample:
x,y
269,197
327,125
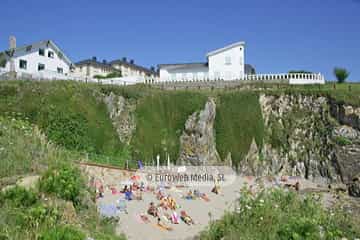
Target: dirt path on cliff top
x,y
135,229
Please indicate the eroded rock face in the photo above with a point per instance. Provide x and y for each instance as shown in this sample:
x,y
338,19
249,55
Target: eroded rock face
x,y
346,114
120,112
354,189
304,138
347,152
197,142
298,138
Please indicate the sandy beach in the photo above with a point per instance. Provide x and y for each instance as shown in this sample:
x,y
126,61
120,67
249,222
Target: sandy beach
x,y
201,211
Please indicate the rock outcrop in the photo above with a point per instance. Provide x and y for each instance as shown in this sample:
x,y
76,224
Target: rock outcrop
x,y
120,111
304,137
346,114
197,142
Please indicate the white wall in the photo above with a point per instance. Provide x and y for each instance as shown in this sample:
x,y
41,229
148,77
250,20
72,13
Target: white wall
x,y
33,59
189,74
235,70
319,79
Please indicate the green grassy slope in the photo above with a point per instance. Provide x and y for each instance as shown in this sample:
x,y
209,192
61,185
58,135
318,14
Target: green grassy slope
x,y
238,122
67,112
24,150
347,93
160,121
72,115
276,214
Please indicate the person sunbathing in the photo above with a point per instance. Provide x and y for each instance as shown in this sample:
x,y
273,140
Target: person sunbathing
x,y
186,218
164,203
152,210
135,186
171,203
189,195
159,195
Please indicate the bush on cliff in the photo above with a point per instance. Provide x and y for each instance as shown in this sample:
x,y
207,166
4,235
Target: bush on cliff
x,y
275,214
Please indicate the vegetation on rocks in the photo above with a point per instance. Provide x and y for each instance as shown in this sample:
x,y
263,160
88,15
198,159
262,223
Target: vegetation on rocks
x,y
70,114
25,150
275,214
160,121
238,122
40,213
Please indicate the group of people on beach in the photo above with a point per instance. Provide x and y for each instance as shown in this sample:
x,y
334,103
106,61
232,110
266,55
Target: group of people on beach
x,y
166,209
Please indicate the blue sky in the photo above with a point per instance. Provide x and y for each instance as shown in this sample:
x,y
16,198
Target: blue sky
x,y
280,35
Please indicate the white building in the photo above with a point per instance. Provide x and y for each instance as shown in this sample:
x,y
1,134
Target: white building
x,y
226,63
43,59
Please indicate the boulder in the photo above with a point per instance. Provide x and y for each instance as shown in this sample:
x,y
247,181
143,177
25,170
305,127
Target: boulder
x,y
354,189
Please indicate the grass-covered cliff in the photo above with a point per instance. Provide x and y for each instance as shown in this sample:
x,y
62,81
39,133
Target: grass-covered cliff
x,y
75,116
46,126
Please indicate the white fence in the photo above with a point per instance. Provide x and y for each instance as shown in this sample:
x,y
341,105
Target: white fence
x,y
290,78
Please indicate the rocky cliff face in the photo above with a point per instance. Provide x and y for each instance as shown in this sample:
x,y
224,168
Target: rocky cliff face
x,y
304,137
121,115
197,142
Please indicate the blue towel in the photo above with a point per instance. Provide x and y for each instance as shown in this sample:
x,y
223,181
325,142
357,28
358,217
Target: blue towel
x,y
140,164
108,211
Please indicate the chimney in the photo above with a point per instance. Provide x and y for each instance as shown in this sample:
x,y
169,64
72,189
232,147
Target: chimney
x,y
94,58
124,59
12,42
131,61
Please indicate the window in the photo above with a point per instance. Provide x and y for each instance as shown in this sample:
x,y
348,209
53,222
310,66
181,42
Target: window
x,y
22,64
60,70
41,52
50,54
41,67
227,60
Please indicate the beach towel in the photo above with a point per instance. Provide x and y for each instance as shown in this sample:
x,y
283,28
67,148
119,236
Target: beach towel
x,y
108,210
205,198
121,205
114,191
141,218
174,218
140,164
163,227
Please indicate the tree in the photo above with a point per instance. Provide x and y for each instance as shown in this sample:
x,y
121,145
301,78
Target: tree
x,y
341,74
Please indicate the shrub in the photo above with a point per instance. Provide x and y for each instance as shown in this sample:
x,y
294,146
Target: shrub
x,y
69,130
275,214
19,197
65,182
62,233
341,74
